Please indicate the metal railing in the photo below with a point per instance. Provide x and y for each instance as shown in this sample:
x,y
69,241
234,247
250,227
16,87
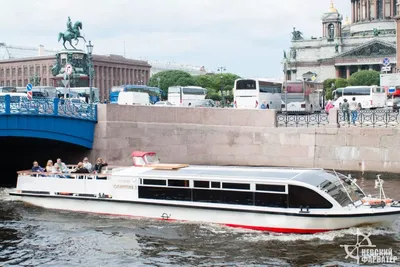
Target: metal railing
x,y
369,118
16,105
301,119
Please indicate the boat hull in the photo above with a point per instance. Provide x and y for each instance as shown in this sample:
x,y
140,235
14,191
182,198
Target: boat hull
x,y
262,221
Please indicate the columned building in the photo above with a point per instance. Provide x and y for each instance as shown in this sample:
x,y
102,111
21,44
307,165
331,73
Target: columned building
x,y
345,47
109,71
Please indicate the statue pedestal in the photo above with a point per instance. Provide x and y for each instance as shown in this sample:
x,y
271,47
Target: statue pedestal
x,y
78,59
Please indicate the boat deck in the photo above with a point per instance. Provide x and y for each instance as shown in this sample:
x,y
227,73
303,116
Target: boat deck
x,y
234,172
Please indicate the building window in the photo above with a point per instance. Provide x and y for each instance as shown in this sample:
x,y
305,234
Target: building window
x,y
31,70
44,82
25,71
2,83
14,83
13,72
19,71
26,81
38,70
331,31
8,83
379,7
44,70
50,67
301,196
20,83
8,72
1,72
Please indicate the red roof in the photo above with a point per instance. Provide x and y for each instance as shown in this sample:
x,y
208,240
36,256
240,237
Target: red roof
x,y
141,153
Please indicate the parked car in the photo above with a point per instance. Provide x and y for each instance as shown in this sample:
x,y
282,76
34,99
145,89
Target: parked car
x,y
163,103
396,103
206,103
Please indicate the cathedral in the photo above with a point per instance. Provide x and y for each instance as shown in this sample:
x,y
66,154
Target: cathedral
x,y
361,43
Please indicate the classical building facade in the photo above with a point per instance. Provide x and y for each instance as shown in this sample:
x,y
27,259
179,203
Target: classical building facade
x,y
157,66
346,47
109,71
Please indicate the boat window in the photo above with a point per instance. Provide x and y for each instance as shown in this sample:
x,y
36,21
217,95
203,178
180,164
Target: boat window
x,y
165,193
270,187
236,186
154,182
215,184
271,200
179,183
302,196
223,197
202,184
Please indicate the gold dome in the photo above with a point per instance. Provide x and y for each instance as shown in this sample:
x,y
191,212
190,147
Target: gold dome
x,y
332,9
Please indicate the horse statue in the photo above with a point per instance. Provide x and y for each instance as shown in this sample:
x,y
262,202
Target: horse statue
x,y
72,34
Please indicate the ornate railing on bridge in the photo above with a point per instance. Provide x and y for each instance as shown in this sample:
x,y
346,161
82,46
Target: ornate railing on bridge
x,y
16,105
370,118
301,119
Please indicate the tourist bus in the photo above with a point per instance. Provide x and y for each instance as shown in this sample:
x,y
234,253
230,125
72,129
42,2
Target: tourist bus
x,y
186,95
251,93
367,97
155,93
303,96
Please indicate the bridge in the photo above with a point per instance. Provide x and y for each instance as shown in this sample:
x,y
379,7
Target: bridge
x,y
48,118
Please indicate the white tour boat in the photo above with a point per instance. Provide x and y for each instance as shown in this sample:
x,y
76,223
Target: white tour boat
x,y
270,199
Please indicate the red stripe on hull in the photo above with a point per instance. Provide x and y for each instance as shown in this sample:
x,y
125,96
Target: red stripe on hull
x,y
280,230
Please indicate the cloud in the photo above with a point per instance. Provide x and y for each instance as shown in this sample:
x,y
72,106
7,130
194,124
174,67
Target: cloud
x,y
247,37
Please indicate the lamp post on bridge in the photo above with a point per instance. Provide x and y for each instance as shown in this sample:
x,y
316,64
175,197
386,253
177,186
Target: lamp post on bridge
x,y
221,70
90,51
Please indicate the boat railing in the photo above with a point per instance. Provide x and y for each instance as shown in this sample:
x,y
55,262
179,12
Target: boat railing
x,y
105,170
67,175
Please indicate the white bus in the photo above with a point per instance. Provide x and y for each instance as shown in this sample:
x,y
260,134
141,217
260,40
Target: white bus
x,y
186,95
251,93
368,97
302,96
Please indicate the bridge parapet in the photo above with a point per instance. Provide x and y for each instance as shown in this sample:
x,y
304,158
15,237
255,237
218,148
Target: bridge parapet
x,y
16,105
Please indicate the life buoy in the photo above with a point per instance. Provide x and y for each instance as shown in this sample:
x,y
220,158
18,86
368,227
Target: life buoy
x,y
376,201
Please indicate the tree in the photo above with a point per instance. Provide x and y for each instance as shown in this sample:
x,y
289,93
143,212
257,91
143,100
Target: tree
x,y
365,77
213,82
341,82
165,79
328,88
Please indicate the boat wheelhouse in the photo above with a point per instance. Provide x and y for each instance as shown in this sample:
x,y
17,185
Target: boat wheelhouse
x,y
271,199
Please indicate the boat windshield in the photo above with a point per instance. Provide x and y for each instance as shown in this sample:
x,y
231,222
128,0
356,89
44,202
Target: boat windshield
x,y
338,186
151,159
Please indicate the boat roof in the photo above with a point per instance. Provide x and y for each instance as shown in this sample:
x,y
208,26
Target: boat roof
x,y
236,172
141,153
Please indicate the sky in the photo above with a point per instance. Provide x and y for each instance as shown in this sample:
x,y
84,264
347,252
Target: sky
x,y
247,37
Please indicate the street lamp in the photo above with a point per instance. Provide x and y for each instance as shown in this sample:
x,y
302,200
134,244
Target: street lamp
x,y
285,80
89,52
221,70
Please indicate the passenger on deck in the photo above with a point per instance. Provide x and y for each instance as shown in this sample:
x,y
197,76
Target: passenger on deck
x,y
100,163
36,167
63,167
80,168
49,166
87,164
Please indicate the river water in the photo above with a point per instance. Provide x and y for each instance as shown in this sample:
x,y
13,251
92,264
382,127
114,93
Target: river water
x,y
32,236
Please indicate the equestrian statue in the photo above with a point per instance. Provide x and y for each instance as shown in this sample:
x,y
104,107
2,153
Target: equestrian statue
x,y
72,33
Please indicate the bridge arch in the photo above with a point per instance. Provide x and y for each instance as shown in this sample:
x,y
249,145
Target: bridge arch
x,y
48,119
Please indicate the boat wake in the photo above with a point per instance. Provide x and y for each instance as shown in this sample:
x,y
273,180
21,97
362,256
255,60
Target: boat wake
x,y
5,196
257,236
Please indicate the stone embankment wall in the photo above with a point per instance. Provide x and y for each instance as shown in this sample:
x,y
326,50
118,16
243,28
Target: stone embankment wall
x,y
239,137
